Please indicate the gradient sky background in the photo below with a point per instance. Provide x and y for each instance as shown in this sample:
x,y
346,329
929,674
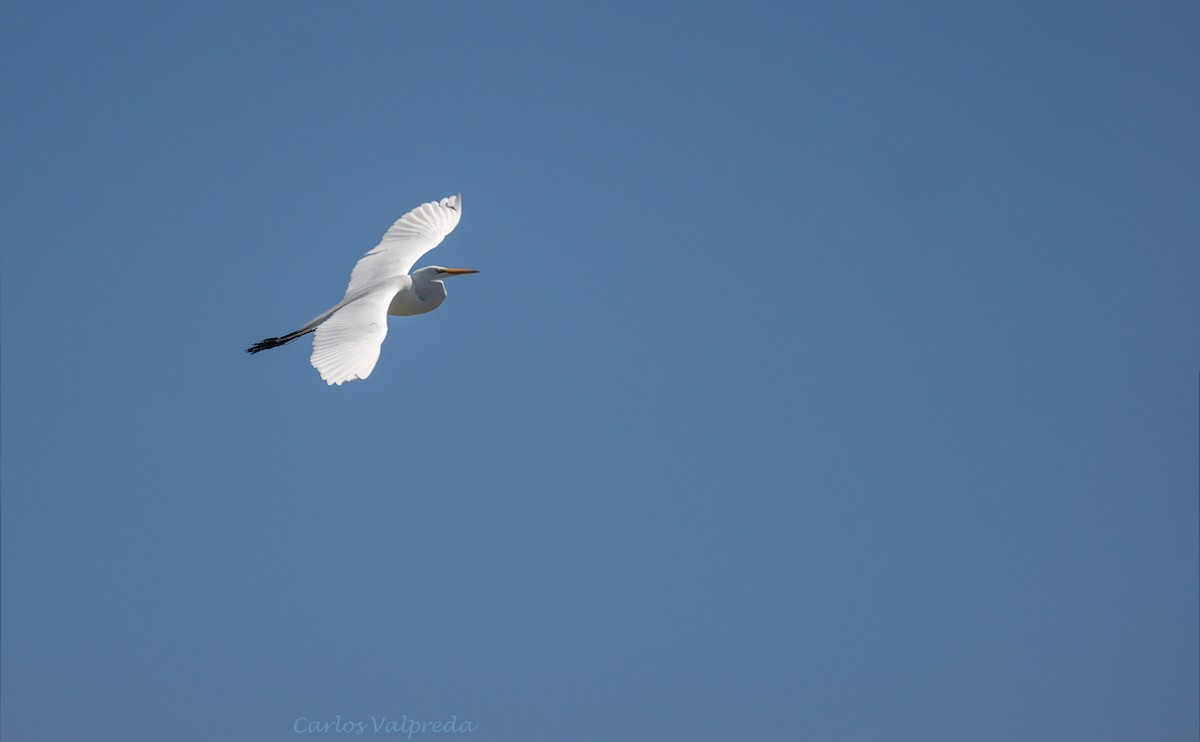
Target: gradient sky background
x,y
832,372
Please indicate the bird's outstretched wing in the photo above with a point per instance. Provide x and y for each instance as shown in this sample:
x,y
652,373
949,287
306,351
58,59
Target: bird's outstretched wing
x,y
413,235
346,345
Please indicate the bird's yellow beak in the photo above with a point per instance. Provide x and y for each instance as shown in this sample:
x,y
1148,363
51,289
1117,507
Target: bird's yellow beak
x,y
460,271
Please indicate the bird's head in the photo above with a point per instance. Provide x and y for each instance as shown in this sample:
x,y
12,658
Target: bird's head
x,y
438,273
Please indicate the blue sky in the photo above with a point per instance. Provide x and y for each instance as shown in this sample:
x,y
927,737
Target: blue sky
x,y
832,372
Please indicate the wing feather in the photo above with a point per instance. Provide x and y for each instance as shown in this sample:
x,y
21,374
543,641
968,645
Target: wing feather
x,y
413,235
346,346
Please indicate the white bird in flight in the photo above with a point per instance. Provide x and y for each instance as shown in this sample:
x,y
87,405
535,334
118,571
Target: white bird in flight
x,y
348,337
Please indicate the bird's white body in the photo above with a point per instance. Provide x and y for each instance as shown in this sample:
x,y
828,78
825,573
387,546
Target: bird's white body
x,y
349,336
411,299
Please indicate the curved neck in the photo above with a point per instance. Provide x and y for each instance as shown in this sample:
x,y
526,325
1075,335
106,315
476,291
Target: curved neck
x,y
432,293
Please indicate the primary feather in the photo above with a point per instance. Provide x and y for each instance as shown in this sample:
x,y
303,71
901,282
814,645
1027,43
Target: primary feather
x,y
346,346
413,235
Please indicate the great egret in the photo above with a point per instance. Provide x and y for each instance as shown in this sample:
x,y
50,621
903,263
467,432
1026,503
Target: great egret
x,y
346,346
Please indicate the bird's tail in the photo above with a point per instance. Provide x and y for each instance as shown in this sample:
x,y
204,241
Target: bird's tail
x,y
310,327
276,342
